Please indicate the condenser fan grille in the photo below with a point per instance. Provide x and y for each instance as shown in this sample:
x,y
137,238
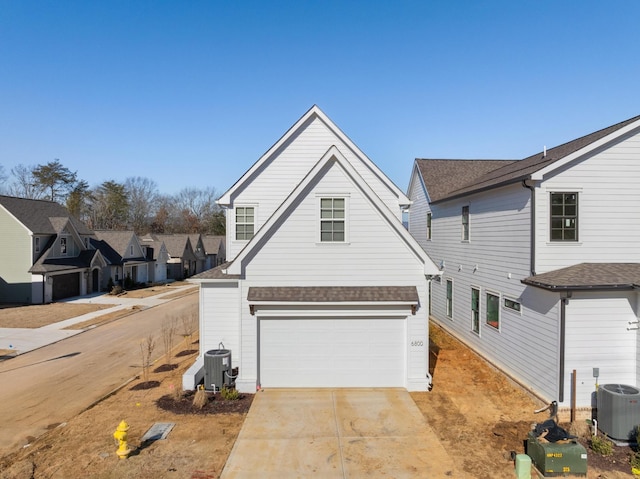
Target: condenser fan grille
x,y
621,389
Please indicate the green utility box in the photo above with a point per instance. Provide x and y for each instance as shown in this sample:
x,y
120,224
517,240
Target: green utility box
x,y
553,459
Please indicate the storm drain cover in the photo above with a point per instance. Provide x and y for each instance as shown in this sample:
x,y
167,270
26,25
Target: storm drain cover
x,y
159,430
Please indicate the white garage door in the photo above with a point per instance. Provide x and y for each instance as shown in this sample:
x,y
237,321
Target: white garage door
x,y
332,352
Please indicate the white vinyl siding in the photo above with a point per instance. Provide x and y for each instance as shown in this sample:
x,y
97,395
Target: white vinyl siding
x,y
609,209
272,186
599,336
224,299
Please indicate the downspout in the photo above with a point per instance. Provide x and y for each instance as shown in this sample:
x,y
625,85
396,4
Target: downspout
x,y
532,229
563,307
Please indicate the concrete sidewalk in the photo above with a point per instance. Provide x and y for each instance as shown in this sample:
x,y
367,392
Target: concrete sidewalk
x,y
337,433
22,340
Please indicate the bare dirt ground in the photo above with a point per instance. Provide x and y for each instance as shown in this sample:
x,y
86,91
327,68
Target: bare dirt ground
x,y
479,415
38,315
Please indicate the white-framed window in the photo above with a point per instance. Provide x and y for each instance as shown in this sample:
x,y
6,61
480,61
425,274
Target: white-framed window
x,y
465,223
449,299
245,222
428,226
332,220
492,308
36,245
564,216
475,310
512,304
63,245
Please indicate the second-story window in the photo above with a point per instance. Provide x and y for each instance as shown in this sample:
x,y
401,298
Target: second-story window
x,y
332,218
465,223
245,222
564,216
37,244
428,226
63,245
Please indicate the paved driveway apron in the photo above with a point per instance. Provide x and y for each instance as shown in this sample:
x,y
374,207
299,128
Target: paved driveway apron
x,y
337,433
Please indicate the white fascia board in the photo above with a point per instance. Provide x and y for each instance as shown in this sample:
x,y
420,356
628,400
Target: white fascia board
x,y
540,174
369,312
225,199
416,173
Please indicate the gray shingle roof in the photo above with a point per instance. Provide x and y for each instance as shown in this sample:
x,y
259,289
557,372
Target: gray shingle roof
x,y
444,176
589,276
506,173
216,273
44,265
334,294
212,243
37,215
175,244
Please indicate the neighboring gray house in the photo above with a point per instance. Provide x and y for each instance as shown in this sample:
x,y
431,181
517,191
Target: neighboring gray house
x,y
155,250
182,258
307,299
214,250
540,260
44,253
124,255
199,252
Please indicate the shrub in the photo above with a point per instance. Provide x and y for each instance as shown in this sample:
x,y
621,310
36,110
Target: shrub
x,y
110,284
601,445
229,394
116,290
200,398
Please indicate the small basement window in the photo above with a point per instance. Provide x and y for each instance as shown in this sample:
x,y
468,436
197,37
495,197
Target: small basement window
x,y
511,304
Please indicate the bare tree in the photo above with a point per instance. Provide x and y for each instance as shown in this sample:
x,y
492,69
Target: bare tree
x,y
141,195
196,207
24,184
3,179
168,332
55,179
146,350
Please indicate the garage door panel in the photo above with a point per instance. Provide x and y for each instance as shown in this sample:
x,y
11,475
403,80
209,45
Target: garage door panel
x,y
332,352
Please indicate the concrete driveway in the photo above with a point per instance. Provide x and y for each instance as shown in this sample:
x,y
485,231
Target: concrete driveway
x,y
337,433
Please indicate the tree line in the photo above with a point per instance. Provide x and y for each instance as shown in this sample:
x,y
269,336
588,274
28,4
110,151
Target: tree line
x,y
135,204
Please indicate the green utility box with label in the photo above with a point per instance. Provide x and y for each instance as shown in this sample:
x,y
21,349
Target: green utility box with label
x,y
553,459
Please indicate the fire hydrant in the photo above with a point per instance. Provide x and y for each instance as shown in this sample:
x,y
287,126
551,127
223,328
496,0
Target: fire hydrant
x,y
120,435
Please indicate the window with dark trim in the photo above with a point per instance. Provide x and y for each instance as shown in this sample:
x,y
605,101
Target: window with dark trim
x,y
245,222
63,245
450,299
493,310
564,216
465,223
37,244
428,226
332,217
511,304
475,310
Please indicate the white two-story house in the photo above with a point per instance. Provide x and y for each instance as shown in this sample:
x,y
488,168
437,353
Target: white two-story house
x,y
324,286
540,260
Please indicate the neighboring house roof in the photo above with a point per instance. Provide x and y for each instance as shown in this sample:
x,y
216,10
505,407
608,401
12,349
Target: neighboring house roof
x,y
41,216
53,265
155,244
114,244
219,272
175,244
441,177
212,243
589,276
532,167
334,294
300,125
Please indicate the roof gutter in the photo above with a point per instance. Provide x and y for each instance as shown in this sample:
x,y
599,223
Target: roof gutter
x,y
532,229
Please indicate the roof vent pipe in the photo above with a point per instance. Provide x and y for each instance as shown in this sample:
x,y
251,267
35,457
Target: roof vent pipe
x,y
544,152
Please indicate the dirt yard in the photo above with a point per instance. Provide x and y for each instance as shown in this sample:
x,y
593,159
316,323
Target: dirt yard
x,y
479,415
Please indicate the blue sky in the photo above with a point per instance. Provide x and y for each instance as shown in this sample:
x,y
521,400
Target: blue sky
x,y
192,93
